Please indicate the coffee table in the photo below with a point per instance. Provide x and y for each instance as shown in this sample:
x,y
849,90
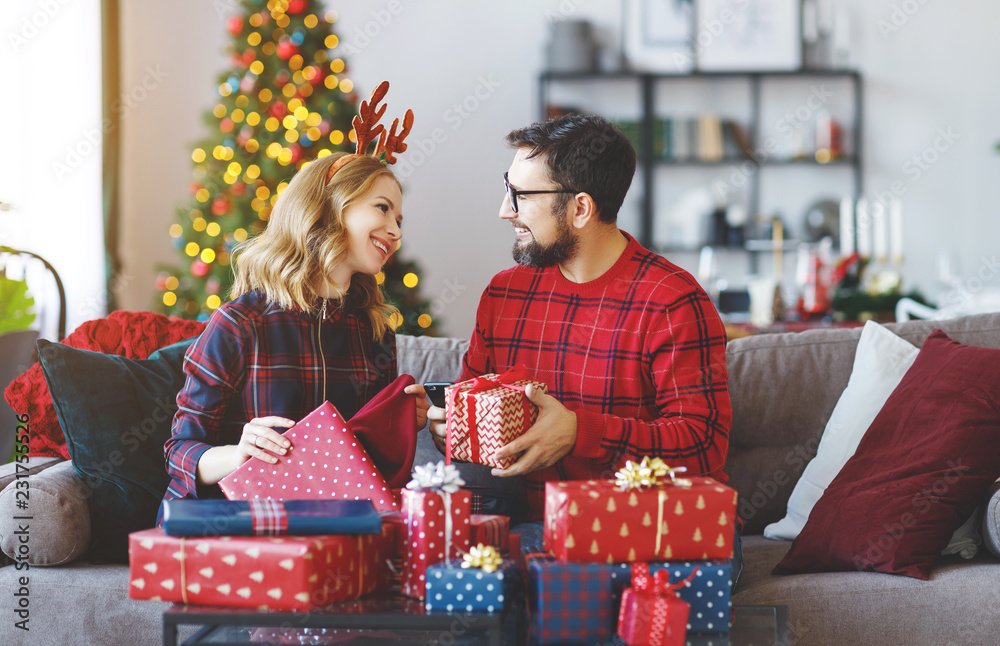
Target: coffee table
x,y
392,618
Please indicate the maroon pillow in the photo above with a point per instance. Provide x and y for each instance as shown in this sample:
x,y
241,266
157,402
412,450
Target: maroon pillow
x,y
927,460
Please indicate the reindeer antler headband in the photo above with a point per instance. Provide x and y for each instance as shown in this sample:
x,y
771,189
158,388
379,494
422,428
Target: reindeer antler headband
x,y
367,128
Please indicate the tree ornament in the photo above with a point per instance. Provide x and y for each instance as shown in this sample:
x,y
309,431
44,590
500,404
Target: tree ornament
x,y
234,25
226,125
278,109
220,205
286,49
199,268
295,7
249,56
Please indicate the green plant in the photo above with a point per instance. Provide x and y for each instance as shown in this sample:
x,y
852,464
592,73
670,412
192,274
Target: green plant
x,y
16,305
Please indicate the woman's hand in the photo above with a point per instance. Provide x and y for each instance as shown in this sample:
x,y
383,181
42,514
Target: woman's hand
x,y
261,441
422,403
258,440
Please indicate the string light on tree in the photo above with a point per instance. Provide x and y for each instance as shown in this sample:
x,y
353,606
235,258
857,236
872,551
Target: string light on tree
x,y
287,99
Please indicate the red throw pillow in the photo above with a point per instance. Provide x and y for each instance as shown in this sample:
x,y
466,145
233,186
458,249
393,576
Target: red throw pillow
x,y
926,461
134,335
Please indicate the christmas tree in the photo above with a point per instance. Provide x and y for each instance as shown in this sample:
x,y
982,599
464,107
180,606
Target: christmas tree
x,y
285,101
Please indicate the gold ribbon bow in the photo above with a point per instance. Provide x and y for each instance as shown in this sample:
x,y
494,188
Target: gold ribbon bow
x,y
649,473
483,557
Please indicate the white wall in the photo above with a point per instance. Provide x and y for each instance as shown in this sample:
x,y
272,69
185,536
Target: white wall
x,y
935,72
50,155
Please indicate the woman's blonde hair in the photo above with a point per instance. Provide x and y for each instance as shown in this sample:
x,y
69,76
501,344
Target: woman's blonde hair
x,y
305,240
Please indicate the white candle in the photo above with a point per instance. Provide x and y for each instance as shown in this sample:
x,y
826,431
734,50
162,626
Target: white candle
x,y
896,231
846,226
880,231
864,229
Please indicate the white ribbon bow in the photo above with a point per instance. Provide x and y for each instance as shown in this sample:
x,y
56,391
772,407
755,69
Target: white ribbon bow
x,y
438,477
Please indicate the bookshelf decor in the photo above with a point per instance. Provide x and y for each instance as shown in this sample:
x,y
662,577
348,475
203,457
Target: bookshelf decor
x,y
736,35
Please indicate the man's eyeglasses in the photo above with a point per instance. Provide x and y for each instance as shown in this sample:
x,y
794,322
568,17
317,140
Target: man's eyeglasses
x,y
512,192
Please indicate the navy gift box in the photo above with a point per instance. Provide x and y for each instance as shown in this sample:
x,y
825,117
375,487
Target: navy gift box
x,y
451,588
187,517
580,601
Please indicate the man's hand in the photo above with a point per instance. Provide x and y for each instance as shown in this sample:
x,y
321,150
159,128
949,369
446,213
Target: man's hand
x,y
549,439
422,403
438,428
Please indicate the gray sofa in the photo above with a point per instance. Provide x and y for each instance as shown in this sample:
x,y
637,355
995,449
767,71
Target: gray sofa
x,y
783,388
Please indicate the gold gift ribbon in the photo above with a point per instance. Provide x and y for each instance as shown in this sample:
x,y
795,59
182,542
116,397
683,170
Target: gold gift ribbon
x,y
659,520
648,473
483,557
184,596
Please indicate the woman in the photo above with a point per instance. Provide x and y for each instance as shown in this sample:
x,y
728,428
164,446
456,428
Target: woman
x,y
307,323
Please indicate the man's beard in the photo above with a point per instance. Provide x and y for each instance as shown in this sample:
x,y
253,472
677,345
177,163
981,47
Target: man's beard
x,y
534,254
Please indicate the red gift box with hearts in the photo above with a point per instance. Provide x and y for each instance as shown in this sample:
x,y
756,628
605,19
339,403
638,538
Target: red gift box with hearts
x,y
326,461
486,413
274,573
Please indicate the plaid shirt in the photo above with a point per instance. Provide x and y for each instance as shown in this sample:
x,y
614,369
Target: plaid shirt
x,y
639,354
255,360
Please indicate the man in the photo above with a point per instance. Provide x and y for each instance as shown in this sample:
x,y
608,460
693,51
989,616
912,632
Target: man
x,y
631,348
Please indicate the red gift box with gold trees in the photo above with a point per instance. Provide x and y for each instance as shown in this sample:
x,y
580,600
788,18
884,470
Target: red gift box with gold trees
x,y
646,514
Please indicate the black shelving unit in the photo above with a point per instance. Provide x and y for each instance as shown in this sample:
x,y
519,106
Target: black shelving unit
x,y
648,162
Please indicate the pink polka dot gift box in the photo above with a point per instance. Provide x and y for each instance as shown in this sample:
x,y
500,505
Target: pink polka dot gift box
x,y
326,461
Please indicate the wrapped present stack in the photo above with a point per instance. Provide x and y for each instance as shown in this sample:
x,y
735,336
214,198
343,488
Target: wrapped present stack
x,y
623,552
268,554
436,513
487,413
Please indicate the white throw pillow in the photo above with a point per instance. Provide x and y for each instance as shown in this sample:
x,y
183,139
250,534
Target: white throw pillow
x,y
881,360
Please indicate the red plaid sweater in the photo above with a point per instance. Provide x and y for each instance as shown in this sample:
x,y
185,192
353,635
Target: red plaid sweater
x,y
639,354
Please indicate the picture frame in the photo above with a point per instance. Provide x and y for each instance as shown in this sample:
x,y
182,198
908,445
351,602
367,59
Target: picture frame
x,y
657,35
748,35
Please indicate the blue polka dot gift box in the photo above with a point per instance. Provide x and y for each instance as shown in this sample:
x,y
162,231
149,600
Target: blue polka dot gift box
x,y
454,588
707,592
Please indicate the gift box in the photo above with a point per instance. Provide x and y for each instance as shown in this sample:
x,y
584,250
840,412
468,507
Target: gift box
x,y
326,461
473,588
485,414
189,517
650,613
600,521
437,523
570,602
489,529
287,573
706,589
580,602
